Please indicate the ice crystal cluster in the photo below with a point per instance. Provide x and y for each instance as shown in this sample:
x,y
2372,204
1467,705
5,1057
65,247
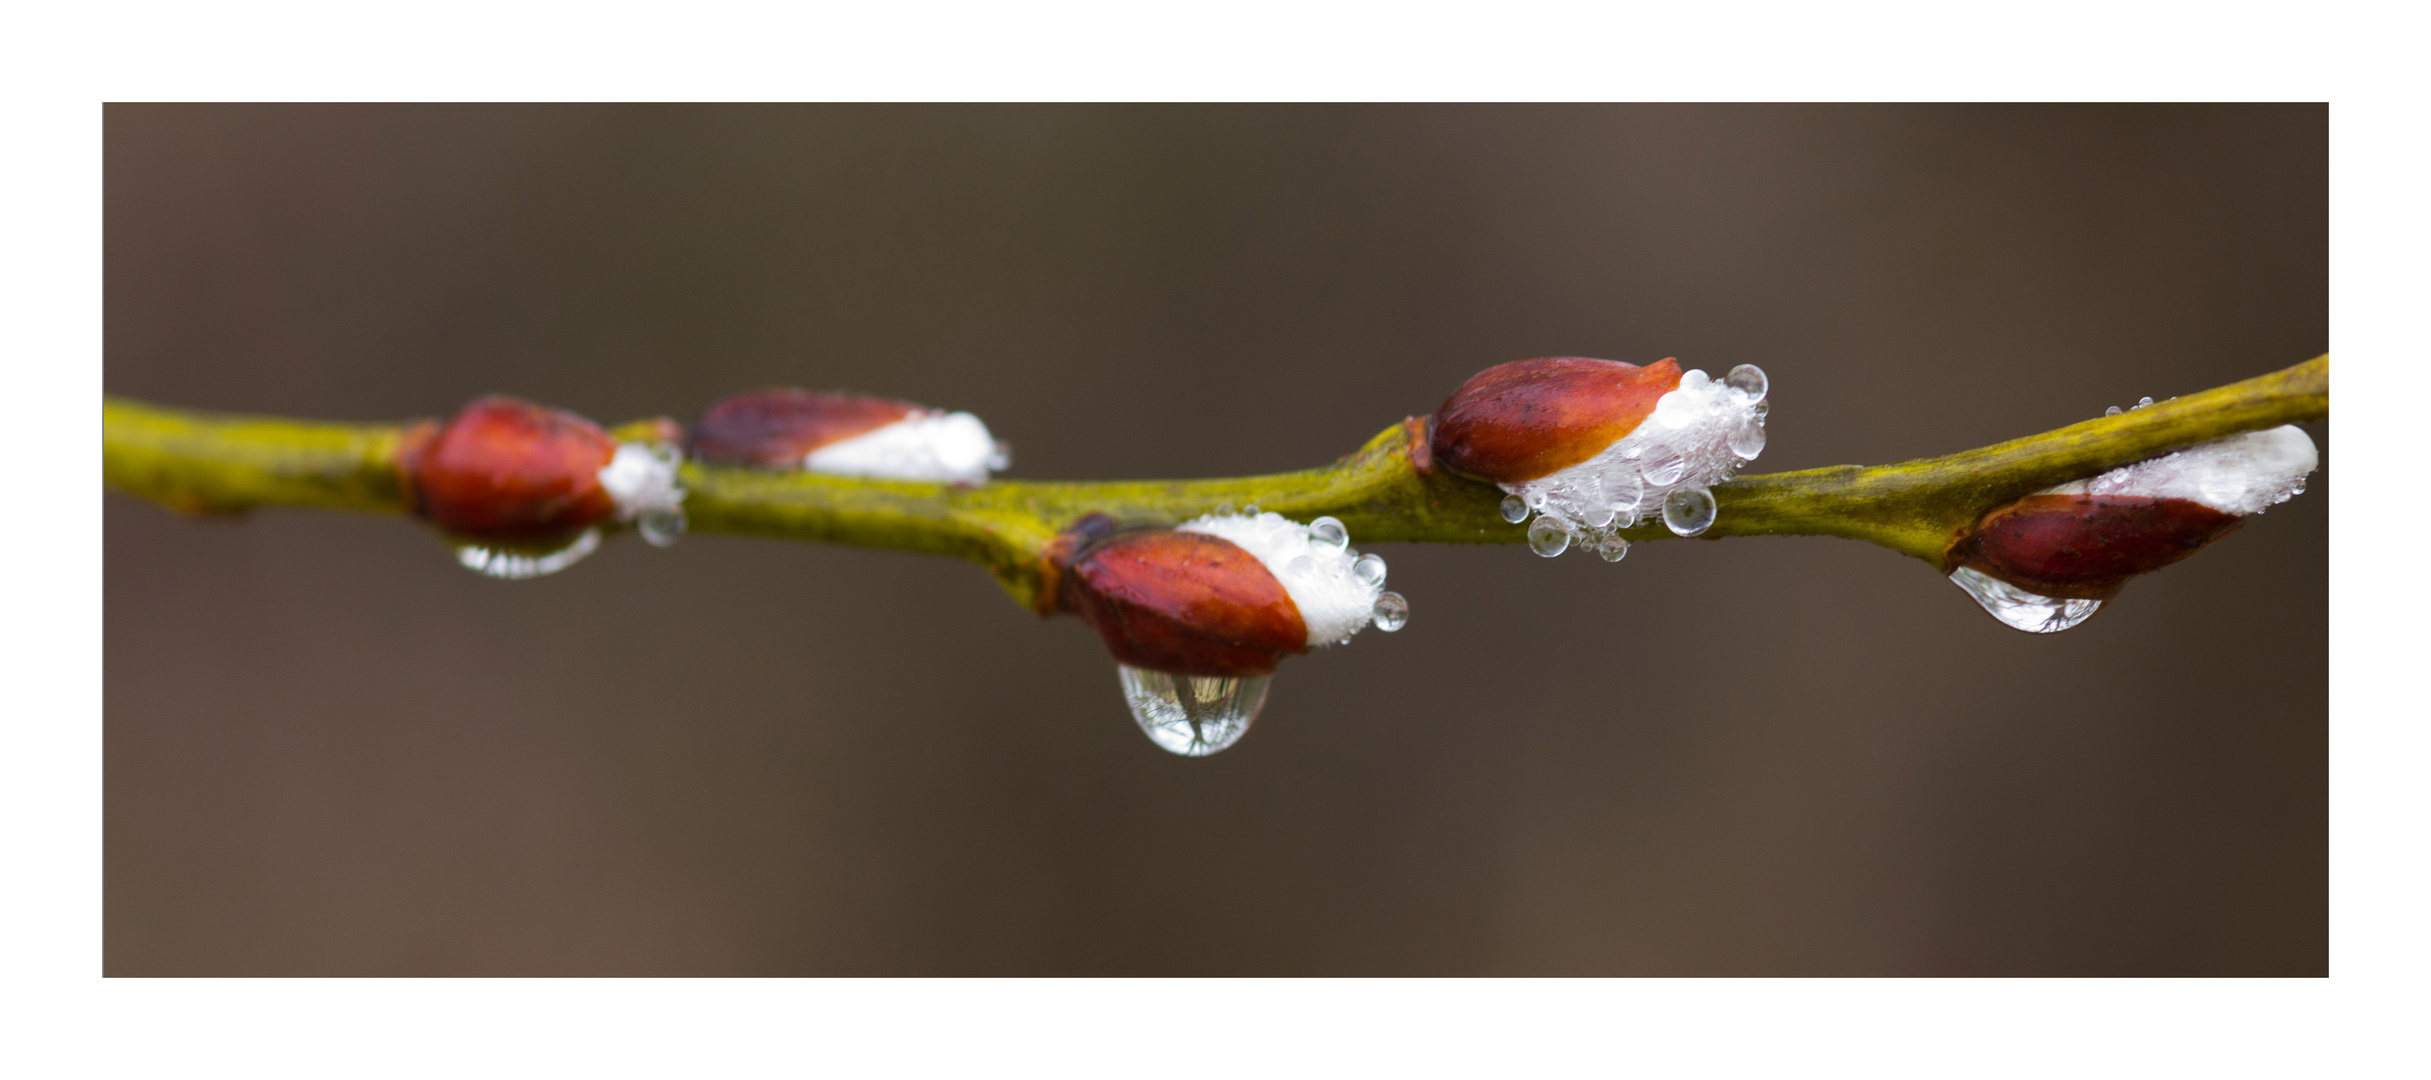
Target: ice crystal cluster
x,y
939,447
1338,590
1698,435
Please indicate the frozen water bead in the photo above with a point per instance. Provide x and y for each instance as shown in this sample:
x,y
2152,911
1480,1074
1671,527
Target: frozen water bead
x,y
939,447
1192,715
1335,596
2241,474
2020,609
1698,434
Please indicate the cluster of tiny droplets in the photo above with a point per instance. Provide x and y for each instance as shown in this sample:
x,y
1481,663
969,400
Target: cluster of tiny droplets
x,y
1327,534
1687,508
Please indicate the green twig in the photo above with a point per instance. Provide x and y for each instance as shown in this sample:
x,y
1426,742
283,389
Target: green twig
x,y
207,463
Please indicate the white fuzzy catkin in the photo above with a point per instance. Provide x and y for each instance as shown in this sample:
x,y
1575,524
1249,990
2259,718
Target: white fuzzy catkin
x,y
933,446
1333,599
2241,474
642,477
1698,434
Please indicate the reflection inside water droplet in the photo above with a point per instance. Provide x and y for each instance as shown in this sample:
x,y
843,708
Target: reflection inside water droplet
x,y
2030,612
660,527
1668,470
1747,440
1748,379
1327,532
2113,411
1514,509
1549,537
1192,715
519,563
1392,612
1370,569
1612,549
1689,511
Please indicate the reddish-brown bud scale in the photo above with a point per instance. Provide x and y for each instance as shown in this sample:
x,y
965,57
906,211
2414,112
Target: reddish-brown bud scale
x,y
1530,418
777,426
2086,547
1183,603
507,469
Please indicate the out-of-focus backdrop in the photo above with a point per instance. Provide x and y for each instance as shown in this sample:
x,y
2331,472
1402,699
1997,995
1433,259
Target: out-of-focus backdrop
x,y
331,751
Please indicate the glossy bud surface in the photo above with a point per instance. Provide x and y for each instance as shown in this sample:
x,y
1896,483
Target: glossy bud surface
x,y
1183,603
1529,418
508,469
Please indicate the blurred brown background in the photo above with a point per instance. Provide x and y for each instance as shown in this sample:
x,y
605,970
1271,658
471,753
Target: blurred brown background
x,y
330,751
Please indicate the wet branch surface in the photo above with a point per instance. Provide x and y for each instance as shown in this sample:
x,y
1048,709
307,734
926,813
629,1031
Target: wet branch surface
x,y
207,463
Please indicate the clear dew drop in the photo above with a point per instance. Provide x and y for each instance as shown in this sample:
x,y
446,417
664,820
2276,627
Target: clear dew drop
x,y
1392,612
1328,533
1192,715
1548,537
1748,379
1747,440
1514,509
1665,470
661,527
1223,509
2143,401
520,564
1250,510
2022,610
1689,511
1369,569
2113,411
1612,549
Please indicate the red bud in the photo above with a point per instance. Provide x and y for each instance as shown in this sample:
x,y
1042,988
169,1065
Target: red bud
x,y
2086,547
1529,418
777,426
507,469
1183,603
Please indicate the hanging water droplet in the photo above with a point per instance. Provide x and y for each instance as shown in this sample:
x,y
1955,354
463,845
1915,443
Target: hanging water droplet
x,y
1762,409
1392,612
1514,509
1192,715
2017,608
520,563
1327,532
1748,379
1689,511
1370,569
1612,549
1549,537
1747,440
2113,411
1665,470
661,527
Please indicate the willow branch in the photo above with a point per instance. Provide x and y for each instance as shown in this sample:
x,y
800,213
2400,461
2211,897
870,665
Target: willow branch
x,y
210,463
